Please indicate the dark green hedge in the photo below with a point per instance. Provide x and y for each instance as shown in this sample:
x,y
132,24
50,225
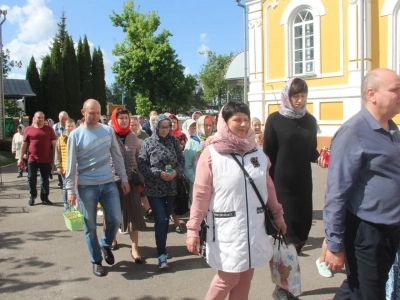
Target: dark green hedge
x,y
5,145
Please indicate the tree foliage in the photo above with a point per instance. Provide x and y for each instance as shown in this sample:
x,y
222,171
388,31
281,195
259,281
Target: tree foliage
x,y
8,63
71,79
98,79
45,77
33,104
56,85
143,105
62,31
147,65
85,70
212,75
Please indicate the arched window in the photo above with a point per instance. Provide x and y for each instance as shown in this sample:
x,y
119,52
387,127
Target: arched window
x,y
303,43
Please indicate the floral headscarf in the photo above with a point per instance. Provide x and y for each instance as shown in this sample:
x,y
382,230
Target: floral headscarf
x,y
225,142
285,108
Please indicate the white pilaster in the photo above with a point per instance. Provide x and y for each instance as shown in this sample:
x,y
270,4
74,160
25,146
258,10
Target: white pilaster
x,y
256,66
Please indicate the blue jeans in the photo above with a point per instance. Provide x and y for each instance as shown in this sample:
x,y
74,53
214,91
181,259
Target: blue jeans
x,y
108,196
162,209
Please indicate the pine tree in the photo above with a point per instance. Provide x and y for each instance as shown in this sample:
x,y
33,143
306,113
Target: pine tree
x,y
56,87
45,77
71,79
98,80
33,104
62,32
85,70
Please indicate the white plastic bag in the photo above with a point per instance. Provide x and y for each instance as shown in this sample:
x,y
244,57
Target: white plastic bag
x,y
284,265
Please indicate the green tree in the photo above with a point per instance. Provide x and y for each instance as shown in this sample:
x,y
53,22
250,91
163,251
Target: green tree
x,y
147,64
71,79
45,77
212,75
143,105
8,64
62,31
56,86
85,70
33,104
98,79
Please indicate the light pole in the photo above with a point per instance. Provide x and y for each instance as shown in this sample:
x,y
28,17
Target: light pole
x,y
2,112
245,50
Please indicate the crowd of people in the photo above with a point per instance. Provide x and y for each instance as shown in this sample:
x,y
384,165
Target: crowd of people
x,y
132,168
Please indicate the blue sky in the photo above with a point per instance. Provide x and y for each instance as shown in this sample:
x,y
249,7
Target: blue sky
x,y
215,25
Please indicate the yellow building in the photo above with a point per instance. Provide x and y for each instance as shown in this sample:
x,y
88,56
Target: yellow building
x,y
319,41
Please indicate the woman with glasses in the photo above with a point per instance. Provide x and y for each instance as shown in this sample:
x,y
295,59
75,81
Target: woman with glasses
x,y
161,161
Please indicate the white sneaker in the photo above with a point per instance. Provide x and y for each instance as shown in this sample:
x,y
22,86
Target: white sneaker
x,y
121,232
323,269
100,212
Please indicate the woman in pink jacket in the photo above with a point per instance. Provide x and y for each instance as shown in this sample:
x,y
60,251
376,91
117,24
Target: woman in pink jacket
x,y
236,238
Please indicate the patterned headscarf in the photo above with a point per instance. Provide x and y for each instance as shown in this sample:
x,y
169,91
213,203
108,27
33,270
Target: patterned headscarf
x,y
200,127
285,108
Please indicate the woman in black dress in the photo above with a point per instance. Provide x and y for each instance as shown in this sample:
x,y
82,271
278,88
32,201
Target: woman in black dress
x,y
290,141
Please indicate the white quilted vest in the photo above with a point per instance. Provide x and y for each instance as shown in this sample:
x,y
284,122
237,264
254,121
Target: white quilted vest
x,y
236,237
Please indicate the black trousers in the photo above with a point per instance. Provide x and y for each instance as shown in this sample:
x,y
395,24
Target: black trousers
x,y
370,251
45,169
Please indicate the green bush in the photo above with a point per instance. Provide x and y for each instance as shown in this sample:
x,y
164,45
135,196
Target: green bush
x,y
5,145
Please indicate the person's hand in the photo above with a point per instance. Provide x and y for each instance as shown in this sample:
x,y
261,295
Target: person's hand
x,y
282,226
19,162
125,187
193,245
71,199
321,162
174,174
24,156
165,176
334,261
59,171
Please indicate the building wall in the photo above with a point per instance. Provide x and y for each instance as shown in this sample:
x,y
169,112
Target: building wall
x,y
334,90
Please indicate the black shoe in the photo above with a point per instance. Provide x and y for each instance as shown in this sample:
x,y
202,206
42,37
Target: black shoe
x,y
31,201
108,255
59,184
98,270
51,176
114,246
47,202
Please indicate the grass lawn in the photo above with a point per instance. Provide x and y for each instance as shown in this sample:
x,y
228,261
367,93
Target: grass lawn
x,y
7,158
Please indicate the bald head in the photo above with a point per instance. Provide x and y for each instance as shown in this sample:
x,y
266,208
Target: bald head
x,y
374,79
91,111
381,93
90,102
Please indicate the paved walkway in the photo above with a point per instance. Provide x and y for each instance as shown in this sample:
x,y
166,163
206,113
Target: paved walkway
x,y
41,259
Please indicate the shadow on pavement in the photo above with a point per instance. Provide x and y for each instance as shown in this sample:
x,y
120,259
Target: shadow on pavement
x,y
9,284
317,215
12,240
323,291
313,243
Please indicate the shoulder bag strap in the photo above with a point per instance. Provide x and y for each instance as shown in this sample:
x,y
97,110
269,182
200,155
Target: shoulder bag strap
x,y
251,182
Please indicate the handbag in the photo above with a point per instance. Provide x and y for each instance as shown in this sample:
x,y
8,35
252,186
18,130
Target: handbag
x,y
270,226
284,266
137,178
181,206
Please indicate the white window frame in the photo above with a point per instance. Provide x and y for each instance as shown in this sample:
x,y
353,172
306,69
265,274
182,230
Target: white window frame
x,y
287,20
304,46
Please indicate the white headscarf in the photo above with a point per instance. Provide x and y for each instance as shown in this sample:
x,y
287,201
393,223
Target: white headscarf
x,y
186,125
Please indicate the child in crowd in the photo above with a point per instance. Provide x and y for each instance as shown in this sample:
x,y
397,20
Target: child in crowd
x,y
60,157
